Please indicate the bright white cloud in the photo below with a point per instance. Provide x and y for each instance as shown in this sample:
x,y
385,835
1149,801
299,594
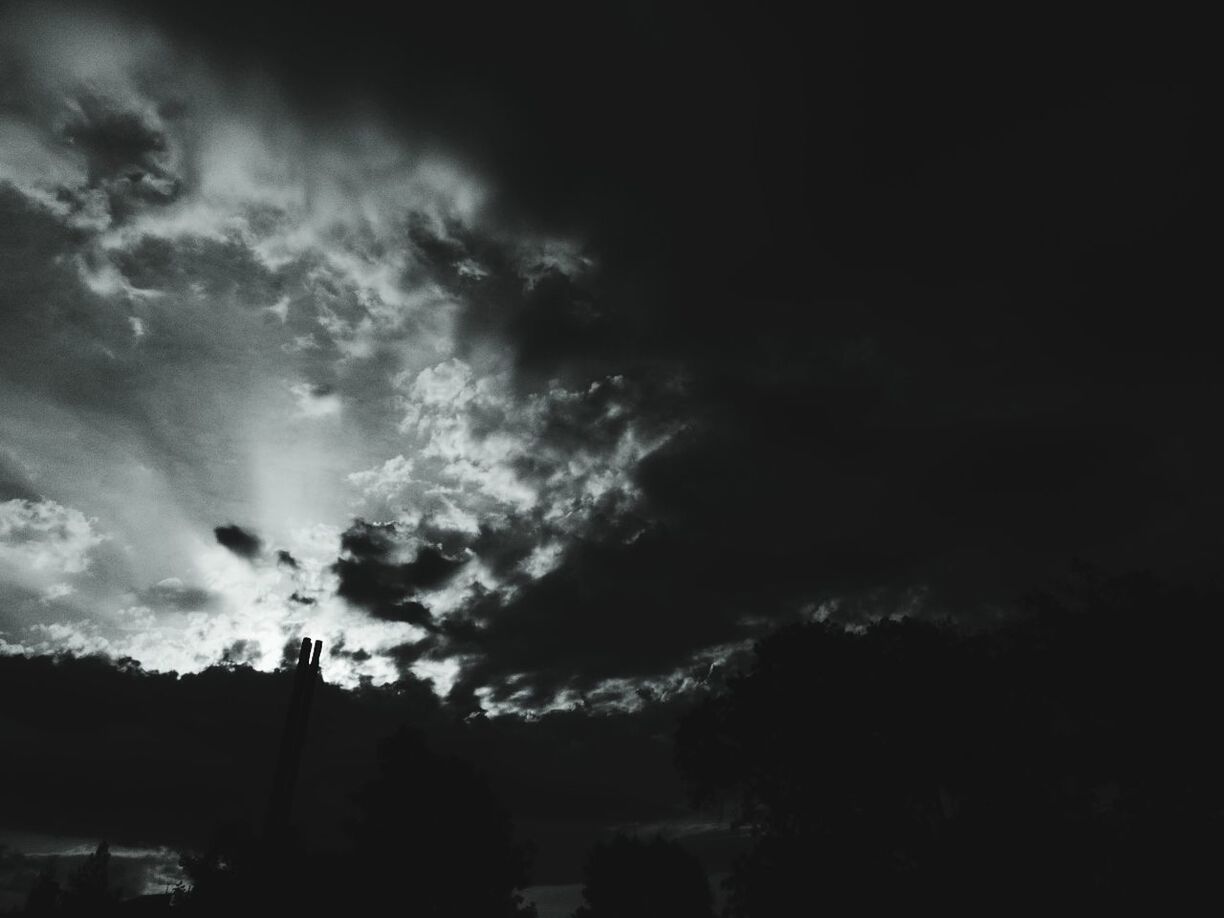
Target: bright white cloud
x,y
43,538
482,437
386,480
227,254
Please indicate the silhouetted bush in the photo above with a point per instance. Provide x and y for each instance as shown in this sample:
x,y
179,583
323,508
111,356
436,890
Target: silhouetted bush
x,y
430,830
88,891
44,895
428,837
631,878
1069,757
231,871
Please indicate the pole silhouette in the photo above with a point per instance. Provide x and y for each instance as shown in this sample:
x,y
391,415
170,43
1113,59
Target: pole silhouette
x,y
293,739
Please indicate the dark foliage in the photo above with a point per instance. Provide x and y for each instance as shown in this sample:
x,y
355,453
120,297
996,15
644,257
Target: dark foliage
x,y
44,895
88,891
1066,759
427,832
229,872
633,878
170,758
430,826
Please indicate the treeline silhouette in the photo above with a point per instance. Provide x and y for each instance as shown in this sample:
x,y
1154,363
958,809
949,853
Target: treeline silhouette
x,y
1069,759
1066,759
426,832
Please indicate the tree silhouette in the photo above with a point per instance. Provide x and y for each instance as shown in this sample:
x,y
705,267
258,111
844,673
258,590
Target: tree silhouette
x,y
427,834
1066,758
229,874
631,878
431,833
44,896
827,762
88,891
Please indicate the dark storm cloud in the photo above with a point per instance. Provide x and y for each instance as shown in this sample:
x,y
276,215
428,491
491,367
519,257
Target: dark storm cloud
x,y
125,155
85,125
113,141
340,649
240,541
926,293
285,559
241,653
937,312
611,610
370,580
373,541
543,309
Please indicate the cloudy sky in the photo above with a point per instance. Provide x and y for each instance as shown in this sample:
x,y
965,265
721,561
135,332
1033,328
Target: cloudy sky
x,y
258,377
555,360
553,357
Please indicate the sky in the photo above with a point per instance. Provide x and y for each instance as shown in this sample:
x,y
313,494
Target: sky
x,y
223,316
554,356
544,360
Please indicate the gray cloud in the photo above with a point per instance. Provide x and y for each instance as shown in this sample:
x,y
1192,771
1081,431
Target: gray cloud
x,y
242,542
173,594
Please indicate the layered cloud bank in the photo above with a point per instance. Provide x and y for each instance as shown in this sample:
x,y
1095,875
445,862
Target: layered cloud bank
x,y
553,359
222,315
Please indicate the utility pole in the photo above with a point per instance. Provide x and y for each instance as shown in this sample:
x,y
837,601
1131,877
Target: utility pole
x,y
293,740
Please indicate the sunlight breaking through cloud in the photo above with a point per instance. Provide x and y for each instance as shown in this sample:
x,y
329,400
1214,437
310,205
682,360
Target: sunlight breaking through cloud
x,y
269,312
